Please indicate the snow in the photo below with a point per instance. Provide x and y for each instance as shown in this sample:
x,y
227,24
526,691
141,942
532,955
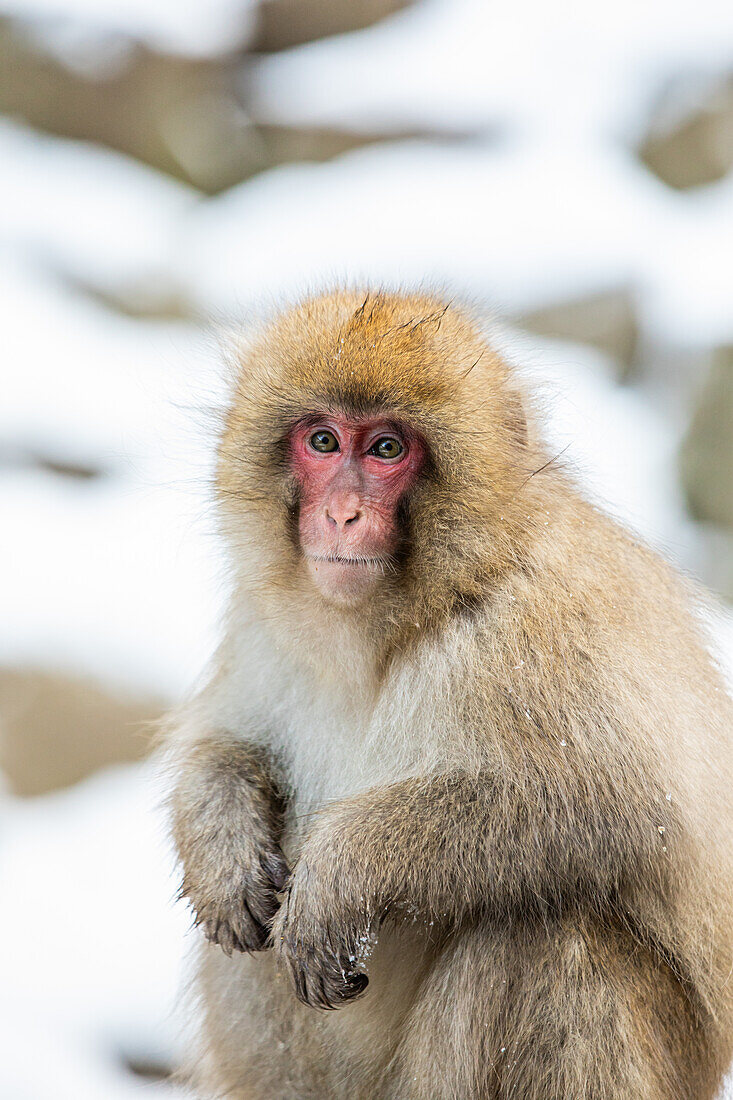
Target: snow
x,y
549,194
628,467
90,213
410,213
196,28
91,947
689,295
116,575
465,65
514,224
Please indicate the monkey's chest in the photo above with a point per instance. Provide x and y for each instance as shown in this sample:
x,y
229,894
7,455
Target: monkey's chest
x,y
331,751
328,757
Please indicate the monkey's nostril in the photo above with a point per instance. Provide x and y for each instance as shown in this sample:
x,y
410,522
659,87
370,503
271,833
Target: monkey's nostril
x,y
342,517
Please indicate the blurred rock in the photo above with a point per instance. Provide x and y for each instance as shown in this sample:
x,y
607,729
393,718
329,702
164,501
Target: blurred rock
x,y
285,23
148,1070
607,321
159,301
174,113
55,730
673,373
715,564
32,458
707,453
693,146
187,117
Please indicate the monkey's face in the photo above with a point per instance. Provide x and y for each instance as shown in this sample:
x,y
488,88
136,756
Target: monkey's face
x,y
352,476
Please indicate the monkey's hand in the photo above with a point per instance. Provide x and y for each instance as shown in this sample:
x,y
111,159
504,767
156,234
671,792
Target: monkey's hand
x,y
226,824
236,897
319,938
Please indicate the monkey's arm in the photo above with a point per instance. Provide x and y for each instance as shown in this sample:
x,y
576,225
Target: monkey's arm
x,y
226,824
448,847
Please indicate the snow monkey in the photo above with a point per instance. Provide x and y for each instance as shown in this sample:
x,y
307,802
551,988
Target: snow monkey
x,y
462,770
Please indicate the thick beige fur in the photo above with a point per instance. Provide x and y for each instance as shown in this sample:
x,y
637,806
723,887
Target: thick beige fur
x,y
503,786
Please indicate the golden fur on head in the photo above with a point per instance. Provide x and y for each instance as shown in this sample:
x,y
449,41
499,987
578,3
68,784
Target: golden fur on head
x,y
418,361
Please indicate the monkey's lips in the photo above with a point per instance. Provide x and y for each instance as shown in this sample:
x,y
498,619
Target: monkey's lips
x,y
345,577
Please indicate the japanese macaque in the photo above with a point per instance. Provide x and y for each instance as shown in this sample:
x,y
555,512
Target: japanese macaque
x,y
462,769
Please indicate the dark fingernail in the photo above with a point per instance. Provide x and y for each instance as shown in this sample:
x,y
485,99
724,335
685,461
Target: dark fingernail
x,y
355,984
276,869
258,934
263,906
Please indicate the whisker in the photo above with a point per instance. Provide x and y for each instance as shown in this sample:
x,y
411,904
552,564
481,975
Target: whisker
x,y
381,563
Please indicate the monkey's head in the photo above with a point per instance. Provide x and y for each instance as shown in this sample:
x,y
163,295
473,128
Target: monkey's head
x,y
372,455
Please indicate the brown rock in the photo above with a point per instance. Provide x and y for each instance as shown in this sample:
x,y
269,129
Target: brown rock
x,y
696,148
138,106
285,23
706,460
55,730
716,560
186,117
607,321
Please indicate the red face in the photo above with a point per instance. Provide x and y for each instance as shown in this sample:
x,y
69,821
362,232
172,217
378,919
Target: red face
x,y
352,476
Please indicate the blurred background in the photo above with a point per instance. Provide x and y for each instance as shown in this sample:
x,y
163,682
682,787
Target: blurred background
x,y
167,172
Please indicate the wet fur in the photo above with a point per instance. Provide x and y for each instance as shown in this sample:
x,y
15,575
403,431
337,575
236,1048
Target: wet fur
x,y
512,768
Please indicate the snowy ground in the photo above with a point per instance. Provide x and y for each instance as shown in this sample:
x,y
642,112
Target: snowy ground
x,y
90,943
117,576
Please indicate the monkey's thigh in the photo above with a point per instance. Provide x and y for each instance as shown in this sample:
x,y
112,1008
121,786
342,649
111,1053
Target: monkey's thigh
x,y
257,1042
260,1043
568,1012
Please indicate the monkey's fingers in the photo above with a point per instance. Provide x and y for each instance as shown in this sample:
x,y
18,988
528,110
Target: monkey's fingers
x,y
322,983
347,987
274,865
260,890
237,931
221,932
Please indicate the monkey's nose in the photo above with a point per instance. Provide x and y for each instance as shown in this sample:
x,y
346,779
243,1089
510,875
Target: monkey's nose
x,y
343,512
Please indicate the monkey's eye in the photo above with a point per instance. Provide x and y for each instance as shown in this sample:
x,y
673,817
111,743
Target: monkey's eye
x,y
387,447
324,441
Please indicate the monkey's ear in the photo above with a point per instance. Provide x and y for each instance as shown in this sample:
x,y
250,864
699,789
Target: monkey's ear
x,y
516,420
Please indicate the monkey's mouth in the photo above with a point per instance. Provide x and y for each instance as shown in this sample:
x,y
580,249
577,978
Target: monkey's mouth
x,y
377,564
347,578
